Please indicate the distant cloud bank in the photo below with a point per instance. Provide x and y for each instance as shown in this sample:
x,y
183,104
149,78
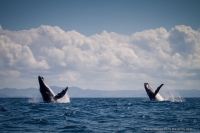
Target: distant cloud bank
x,y
101,61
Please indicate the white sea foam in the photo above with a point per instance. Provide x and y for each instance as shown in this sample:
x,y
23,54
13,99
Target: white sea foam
x,y
64,99
173,96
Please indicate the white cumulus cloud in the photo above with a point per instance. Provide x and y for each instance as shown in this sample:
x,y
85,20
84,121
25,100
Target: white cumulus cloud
x,y
101,61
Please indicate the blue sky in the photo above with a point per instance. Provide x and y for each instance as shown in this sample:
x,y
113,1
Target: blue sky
x,y
105,45
92,16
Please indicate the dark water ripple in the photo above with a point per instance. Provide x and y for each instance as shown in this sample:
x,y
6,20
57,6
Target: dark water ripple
x,y
100,115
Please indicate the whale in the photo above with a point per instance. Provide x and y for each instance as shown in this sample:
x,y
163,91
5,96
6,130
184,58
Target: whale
x,y
153,94
47,94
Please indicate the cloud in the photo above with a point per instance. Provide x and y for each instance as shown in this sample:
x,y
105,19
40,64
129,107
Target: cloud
x,y
182,74
185,40
69,76
15,55
9,73
101,61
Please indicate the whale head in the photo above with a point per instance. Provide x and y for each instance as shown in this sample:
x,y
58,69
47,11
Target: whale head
x,y
149,90
41,80
146,86
45,90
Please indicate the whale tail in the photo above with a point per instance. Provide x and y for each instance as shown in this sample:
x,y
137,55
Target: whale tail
x,y
61,94
157,90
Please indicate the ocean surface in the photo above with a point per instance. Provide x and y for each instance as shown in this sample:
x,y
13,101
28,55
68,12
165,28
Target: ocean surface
x,y
99,115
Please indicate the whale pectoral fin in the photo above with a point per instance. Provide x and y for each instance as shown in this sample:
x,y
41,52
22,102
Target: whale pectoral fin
x,y
61,94
157,90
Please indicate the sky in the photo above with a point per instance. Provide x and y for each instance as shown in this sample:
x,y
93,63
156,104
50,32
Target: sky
x,y
100,45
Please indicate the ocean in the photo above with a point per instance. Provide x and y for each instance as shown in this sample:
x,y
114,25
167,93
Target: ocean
x,y
99,115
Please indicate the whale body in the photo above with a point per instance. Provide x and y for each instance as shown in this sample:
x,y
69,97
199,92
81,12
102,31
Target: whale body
x,y
153,94
47,94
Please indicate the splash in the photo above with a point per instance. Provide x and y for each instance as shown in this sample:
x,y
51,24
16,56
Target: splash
x,y
64,99
173,96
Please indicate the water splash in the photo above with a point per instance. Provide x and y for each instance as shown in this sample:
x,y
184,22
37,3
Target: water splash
x,y
64,99
173,96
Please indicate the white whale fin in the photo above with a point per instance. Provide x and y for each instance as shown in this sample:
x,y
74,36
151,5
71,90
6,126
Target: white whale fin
x,y
157,90
61,94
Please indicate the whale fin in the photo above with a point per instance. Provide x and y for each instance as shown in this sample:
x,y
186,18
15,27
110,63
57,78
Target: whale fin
x,y
61,94
157,90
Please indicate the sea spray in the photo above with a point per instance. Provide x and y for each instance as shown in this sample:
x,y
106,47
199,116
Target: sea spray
x,y
64,99
173,96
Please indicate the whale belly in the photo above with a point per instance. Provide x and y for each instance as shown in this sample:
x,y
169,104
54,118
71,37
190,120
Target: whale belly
x,y
159,97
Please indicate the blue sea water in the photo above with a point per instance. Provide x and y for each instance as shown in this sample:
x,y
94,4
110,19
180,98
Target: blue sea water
x,y
99,115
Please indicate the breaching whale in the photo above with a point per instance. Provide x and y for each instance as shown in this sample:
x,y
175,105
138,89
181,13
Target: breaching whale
x,y
153,94
47,94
